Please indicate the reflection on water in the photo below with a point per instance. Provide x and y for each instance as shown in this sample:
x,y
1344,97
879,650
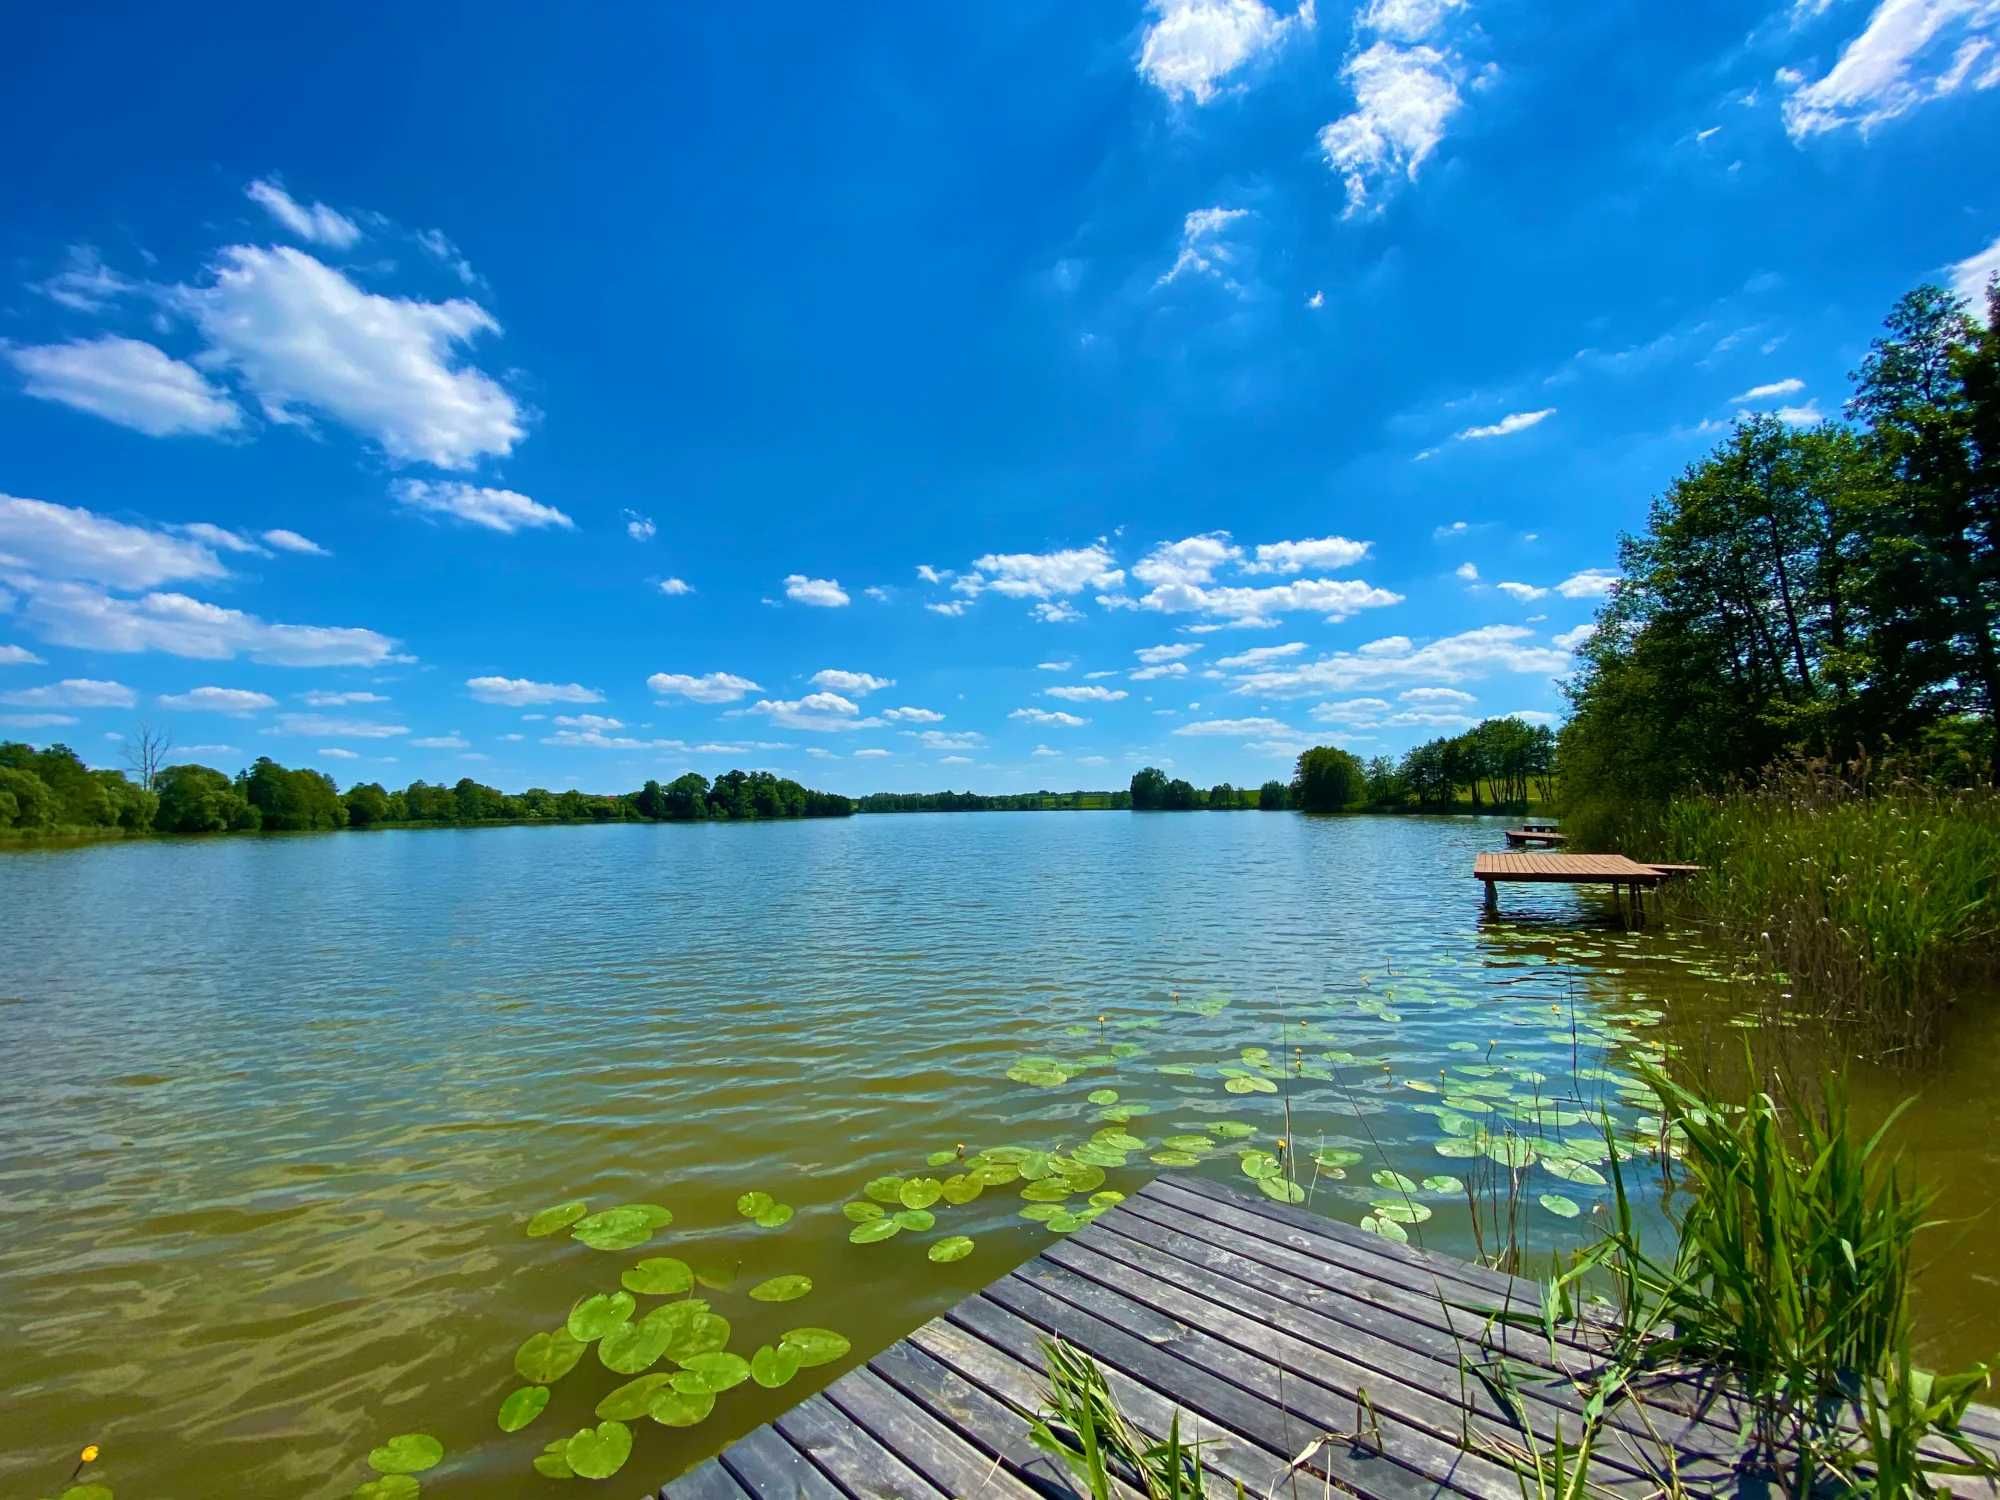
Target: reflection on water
x,y
278,1108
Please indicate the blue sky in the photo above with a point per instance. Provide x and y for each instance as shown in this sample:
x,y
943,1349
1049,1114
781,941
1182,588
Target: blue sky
x,y
901,397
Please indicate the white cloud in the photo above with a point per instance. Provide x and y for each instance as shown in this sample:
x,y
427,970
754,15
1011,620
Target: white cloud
x,y
1354,712
1436,695
1451,532
291,541
1569,640
18,656
322,698
823,593
316,222
1237,728
218,700
1093,760
1050,717
442,742
1192,45
858,684
640,528
955,760
597,739
873,754
73,692
1788,387
334,752
1152,656
1336,599
1969,277
1043,575
62,541
1531,715
1206,249
36,721
1053,666
86,284
1257,656
1296,557
1316,301
943,739
1055,612
711,687
1045,752
304,338
223,537
1507,426
1191,560
912,715
1524,592
1156,672
1404,96
675,587
1591,583
818,712
879,594
68,614
1407,20
322,726
587,721
128,382
1467,571
207,750
1086,694
522,692
951,607
1469,655
1910,52
929,574
505,511
441,249
1808,415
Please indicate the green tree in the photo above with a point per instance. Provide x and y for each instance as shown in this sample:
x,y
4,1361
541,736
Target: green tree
x,y
1272,796
1222,797
25,799
195,799
1149,789
1328,779
367,804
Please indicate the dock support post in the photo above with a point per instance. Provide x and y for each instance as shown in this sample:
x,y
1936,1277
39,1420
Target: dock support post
x,y
1493,898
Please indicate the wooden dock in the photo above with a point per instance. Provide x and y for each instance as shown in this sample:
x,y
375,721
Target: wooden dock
x,y
1307,1354
1614,870
1546,838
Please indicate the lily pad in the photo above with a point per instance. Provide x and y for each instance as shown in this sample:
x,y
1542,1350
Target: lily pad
x,y
860,1213
619,1228
551,1462
1572,1171
1388,1179
407,1453
597,1315
599,1452
1337,1156
716,1372
1509,1150
549,1220
1440,1183
632,1347
547,1357
388,1487
917,1219
962,1189
690,1328
1102,1096
815,1346
1250,1086
920,1192
781,1289
1401,1210
957,1247
1560,1206
672,1408
1261,1164
873,1231
1388,1229
777,1216
1188,1143
940,1158
1281,1189
884,1189
658,1276
632,1400
752,1204
774,1365
1233,1130
1176,1158
522,1407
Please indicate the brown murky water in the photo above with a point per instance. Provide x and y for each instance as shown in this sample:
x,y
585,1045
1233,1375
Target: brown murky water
x,y
277,1110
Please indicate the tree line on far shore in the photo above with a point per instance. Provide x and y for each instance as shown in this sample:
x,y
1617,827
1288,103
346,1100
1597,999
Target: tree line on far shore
x,y
1499,763
50,790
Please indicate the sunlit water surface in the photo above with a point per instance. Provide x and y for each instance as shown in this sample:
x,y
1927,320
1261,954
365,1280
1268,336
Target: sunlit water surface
x,y
277,1110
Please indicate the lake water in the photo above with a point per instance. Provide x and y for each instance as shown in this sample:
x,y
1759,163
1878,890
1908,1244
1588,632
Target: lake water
x,y
278,1109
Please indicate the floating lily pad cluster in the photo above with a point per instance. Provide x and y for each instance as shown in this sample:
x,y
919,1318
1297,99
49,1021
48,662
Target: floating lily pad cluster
x,y
396,1463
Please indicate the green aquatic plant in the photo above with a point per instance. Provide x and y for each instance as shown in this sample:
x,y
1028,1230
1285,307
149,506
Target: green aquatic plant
x,y
763,1210
522,1407
545,1358
598,1452
781,1289
953,1247
407,1453
1081,1426
561,1216
658,1276
596,1315
620,1228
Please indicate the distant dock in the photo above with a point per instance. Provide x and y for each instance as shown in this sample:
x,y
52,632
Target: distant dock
x,y
1536,837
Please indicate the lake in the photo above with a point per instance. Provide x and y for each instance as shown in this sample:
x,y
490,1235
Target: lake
x,y
279,1108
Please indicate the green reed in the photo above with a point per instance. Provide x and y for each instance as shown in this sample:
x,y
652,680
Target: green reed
x,y
1081,1426
1792,1277
1875,894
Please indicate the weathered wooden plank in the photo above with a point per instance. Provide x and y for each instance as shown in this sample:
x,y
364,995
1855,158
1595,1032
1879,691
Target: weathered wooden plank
x,y
1561,869
1282,1411
1349,1358
940,1454
1226,1453
709,1481
857,1463
771,1468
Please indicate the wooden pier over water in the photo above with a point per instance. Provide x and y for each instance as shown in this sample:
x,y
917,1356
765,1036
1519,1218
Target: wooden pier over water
x,y
1614,870
1306,1353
